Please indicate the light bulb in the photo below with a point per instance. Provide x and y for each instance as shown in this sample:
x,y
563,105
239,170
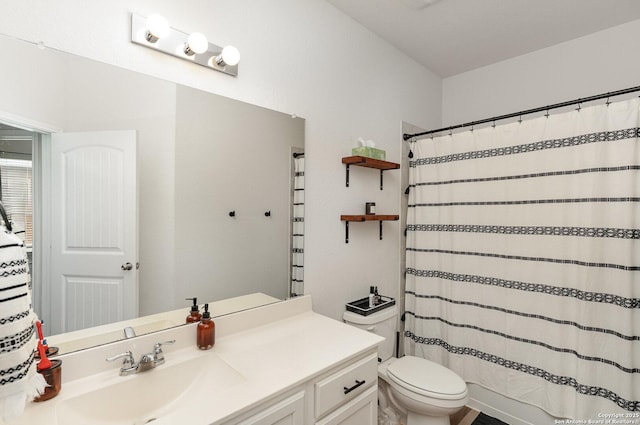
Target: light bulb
x,y
229,56
196,43
157,27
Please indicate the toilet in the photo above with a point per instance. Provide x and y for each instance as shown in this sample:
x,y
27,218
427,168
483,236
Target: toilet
x,y
422,392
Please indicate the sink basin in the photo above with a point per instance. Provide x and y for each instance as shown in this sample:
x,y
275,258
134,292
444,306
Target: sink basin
x,y
148,396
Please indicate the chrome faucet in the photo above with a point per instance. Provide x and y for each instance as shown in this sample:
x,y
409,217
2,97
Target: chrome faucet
x,y
129,332
147,361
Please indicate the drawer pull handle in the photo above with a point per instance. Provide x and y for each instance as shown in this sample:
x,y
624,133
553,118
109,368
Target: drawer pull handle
x,y
358,383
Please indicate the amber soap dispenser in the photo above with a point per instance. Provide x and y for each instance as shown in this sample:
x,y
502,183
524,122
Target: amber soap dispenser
x,y
194,316
206,336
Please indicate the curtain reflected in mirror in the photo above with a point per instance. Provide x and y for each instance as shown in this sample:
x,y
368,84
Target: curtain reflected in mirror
x,y
297,226
16,182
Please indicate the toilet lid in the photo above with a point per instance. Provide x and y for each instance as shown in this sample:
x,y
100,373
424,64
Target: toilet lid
x,y
426,377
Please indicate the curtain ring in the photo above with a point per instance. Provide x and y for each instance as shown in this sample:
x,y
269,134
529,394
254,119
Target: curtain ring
x,y
579,107
493,124
547,114
450,132
520,119
608,102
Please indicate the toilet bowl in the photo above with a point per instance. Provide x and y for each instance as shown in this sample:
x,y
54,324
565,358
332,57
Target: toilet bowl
x,y
425,392
422,392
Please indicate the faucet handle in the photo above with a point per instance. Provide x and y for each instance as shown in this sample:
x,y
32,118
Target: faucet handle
x,y
128,359
157,351
157,347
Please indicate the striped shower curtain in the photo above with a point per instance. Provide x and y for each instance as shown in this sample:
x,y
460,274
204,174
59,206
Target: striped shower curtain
x,y
523,259
297,229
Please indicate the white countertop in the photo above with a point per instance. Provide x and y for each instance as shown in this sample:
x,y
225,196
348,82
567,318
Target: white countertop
x,y
272,349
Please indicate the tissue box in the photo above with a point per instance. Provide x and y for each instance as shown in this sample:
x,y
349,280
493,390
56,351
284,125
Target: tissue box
x,y
369,152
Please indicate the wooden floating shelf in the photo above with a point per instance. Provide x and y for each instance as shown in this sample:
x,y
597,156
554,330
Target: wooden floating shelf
x,y
363,161
365,217
369,217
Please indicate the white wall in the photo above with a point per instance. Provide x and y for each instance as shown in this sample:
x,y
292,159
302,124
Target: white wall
x,y
298,56
599,63
217,256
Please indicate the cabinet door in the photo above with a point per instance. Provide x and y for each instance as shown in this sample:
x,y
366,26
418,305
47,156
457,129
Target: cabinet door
x,y
362,410
289,411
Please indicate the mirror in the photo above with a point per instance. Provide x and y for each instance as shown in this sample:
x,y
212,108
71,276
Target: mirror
x,y
200,157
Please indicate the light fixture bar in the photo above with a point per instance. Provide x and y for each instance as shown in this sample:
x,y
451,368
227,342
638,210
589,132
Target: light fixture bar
x,y
174,44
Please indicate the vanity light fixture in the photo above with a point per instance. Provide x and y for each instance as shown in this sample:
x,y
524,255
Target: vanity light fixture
x,y
155,33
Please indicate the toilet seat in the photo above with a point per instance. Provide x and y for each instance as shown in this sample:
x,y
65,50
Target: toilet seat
x,y
427,378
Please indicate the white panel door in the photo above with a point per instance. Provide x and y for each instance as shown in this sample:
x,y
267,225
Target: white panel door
x,y
94,278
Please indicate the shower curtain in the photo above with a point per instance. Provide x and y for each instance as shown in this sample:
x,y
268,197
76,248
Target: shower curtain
x,y
297,229
523,259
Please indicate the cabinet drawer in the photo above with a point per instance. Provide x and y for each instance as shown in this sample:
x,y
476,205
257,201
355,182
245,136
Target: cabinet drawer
x,y
345,384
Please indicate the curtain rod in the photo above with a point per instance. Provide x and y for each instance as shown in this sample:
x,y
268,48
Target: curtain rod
x,y
298,155
407,136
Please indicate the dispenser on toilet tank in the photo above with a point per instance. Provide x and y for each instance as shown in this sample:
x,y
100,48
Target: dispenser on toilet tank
x,y
382,323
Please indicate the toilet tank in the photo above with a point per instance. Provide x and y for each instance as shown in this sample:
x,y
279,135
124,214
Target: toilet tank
x,y
382,323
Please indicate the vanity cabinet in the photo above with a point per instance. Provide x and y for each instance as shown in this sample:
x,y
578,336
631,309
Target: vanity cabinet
x,y
289,411
345,395
279,364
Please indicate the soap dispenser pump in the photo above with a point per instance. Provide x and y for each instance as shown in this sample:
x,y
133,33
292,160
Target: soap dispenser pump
x,y
206,334
194,316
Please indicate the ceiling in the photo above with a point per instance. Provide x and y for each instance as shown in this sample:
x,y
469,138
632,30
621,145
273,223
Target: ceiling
x,y
454,36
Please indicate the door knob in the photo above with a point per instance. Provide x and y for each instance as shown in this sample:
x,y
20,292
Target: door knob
x,y
127,266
